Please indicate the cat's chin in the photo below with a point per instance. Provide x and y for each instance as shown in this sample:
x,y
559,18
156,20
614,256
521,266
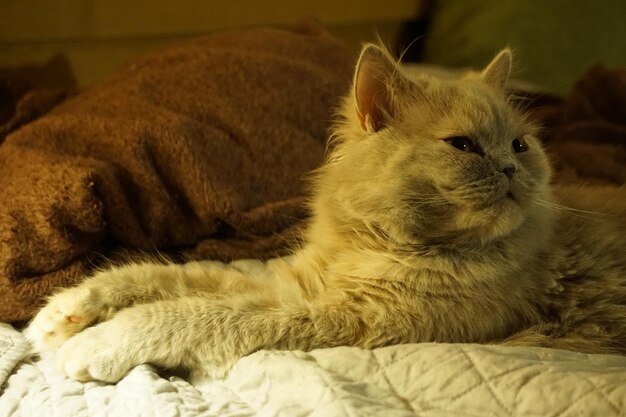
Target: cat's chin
x,y
499,219
486,224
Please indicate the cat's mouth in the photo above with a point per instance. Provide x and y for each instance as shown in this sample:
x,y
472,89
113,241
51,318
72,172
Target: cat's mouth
x,y
510,195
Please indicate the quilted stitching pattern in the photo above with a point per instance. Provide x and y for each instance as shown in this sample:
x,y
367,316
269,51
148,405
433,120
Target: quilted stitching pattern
x,y
426,380
446,379
13,348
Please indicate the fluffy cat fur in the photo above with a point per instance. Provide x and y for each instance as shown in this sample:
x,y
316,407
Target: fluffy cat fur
x,y
433,221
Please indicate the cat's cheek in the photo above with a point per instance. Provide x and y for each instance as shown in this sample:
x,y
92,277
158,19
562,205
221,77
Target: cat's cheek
x,y
536,165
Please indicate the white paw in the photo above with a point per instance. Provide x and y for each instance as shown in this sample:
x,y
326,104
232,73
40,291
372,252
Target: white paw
x,y
66,314
98,353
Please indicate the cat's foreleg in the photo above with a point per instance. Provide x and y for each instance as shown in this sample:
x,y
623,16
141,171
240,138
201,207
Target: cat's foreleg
x,y
202,335
99,297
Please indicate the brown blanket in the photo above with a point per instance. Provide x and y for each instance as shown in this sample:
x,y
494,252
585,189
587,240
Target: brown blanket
x,y
586,134
202,149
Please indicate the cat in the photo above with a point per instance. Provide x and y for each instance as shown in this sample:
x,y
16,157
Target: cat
x,y
433,220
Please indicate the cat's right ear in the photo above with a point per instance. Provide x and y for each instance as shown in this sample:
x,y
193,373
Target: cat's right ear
x,y
376,83
499,69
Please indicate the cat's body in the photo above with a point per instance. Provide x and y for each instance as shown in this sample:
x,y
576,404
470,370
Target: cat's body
x,y
433,220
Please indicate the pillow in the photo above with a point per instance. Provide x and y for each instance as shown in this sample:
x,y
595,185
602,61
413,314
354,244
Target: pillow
x,y
200,150
554,41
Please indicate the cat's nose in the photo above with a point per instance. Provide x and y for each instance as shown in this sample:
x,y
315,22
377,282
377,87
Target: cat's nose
x,y
509,170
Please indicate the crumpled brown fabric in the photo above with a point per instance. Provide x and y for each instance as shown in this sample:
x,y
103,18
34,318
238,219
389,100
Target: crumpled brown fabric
x,y
201,150
585,134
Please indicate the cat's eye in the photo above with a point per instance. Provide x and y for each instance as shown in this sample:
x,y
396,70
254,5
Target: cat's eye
x,y
462,143
519,145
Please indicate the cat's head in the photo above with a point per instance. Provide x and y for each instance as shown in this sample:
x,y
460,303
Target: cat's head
x,y
426,158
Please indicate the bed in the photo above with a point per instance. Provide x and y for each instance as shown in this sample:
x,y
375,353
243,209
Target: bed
x,y
406,380
196,153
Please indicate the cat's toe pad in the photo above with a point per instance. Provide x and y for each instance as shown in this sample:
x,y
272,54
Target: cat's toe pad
x,y
66,314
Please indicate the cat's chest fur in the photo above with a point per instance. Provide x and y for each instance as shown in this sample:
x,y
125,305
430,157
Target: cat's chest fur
x,y
476,297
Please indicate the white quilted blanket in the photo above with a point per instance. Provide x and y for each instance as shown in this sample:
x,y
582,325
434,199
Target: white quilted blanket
x,y
432,380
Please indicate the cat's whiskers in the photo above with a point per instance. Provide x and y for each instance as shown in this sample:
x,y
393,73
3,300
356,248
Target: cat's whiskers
x,y
570,210
421,201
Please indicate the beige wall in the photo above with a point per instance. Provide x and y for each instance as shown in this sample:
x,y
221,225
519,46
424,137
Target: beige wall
x,y
98,36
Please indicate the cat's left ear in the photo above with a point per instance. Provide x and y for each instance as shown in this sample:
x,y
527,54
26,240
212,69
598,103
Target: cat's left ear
x,y
377,84
497,73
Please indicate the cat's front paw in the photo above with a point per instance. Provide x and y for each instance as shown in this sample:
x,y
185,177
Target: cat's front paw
x,y
98,353
66,314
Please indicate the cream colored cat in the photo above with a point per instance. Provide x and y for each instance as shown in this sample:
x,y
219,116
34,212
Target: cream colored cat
x,y
433,220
